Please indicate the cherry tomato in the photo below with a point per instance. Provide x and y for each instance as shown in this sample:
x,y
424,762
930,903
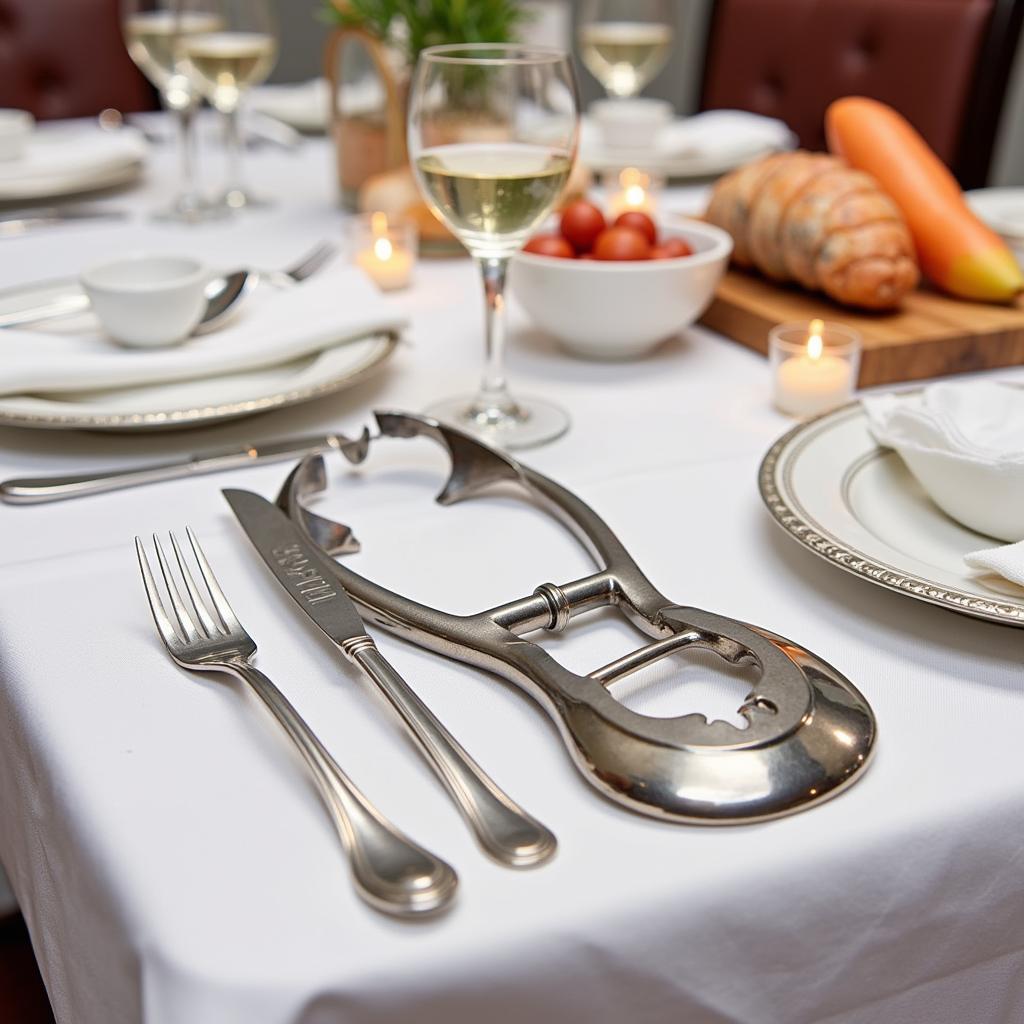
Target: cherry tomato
x,y
671,248
638,221
550,245
581,223
622,244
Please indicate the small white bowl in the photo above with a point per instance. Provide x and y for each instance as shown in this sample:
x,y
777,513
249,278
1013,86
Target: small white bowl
x,y
610,309
146,301
631,123
16,128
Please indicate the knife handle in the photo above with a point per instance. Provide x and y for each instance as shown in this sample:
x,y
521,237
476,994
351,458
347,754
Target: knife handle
x,y
36,490
501,827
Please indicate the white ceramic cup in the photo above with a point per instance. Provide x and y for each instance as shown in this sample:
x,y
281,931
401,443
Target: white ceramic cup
x,y
16,128
148,300
631,123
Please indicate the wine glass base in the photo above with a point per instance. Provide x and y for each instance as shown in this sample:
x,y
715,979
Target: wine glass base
x,y
528,422
243,199
191,210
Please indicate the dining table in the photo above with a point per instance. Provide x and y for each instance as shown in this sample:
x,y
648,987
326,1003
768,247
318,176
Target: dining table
x,y
174,864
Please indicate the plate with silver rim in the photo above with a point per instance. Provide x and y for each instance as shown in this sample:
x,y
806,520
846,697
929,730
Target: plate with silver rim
x,y
832,488
197,403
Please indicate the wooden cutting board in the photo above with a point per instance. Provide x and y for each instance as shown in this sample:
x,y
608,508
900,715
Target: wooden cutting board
x,y
930,336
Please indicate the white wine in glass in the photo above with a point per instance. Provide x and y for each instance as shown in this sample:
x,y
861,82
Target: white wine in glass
x,y
625,44
224,64
154,32
492,137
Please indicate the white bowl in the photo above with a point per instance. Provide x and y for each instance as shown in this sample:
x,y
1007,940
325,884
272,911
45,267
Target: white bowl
x,y
146,301
605,309
631,123
15,130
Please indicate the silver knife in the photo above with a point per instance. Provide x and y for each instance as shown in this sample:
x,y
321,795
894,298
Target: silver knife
x,y
27,220
35,490
502,828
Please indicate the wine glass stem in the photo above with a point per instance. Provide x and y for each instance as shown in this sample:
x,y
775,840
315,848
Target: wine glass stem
x,y
493,400
233,134
187,144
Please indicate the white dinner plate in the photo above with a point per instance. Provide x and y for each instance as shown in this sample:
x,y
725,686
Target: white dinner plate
x,y
670,157
1002,209
65,160
184,403
832,488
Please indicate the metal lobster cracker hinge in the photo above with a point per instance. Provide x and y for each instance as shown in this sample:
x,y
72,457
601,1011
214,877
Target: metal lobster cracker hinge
x,y
809,734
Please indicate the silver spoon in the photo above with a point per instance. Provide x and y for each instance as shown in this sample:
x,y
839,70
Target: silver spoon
x,y
223,297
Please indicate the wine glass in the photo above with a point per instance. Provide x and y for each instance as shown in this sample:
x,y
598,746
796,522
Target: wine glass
x,y
492,137
153,32
223,64
625,43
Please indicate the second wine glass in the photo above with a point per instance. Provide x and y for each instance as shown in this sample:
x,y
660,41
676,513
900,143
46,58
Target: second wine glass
x,y
492,136
625,43
224,64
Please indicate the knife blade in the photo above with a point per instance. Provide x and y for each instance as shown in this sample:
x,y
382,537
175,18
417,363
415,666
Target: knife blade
x,y
15,223
309,576
35,490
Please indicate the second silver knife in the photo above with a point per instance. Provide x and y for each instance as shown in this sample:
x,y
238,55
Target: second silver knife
x,y
35,490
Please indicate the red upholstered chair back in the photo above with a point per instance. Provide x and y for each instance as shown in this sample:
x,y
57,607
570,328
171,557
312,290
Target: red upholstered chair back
x,y
66,58
943,63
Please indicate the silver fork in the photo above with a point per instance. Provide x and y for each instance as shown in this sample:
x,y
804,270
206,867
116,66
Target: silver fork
x,y
390,871
304,268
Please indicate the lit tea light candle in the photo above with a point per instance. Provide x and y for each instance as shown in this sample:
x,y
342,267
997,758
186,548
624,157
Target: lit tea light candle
x,y
814,366
631,189
385,252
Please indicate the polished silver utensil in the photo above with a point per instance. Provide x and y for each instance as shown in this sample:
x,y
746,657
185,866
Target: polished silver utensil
x,y
223,294
390,871
19,222
810,733
503,829
37,490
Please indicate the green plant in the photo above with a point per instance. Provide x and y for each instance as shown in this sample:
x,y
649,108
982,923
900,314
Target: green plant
x,y
417,24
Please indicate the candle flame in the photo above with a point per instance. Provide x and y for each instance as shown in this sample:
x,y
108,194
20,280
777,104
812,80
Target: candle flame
x,y
379,224
814,343
634,185
382,249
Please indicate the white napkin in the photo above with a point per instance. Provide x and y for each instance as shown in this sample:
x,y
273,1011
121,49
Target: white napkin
x,y
274,327
77,152
965,445
719,132
306,105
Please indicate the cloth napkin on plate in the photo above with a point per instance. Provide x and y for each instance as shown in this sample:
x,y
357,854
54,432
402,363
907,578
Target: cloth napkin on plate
x,y
722,132
964,443
274,327
84,153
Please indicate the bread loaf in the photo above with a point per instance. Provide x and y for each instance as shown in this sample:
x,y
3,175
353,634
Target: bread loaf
x,y
807,217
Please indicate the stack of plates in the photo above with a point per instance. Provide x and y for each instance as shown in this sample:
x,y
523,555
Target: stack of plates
x,y
63,160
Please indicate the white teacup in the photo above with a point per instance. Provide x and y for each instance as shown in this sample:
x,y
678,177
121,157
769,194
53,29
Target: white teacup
x,y
15,130
631,123
146,301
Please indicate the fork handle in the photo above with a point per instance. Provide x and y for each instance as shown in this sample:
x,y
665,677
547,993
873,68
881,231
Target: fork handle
x,y
501,826
391,872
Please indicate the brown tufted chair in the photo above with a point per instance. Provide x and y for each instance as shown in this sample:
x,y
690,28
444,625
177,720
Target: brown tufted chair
x,y
66,58
943,63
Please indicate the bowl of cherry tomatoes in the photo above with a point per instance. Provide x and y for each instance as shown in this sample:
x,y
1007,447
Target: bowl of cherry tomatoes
x,y
614,288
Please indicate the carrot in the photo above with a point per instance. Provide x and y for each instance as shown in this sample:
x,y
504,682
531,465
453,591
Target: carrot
x,y
956,250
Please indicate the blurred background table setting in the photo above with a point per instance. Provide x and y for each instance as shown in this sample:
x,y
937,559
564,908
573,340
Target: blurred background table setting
x,y
732,287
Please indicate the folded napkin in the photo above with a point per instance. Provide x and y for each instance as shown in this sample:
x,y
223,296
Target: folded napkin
x,y
715,132
964,443
83,152
274,327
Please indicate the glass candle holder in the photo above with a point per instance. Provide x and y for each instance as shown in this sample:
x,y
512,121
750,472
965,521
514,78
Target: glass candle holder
x,y
814,366
384,249
631,189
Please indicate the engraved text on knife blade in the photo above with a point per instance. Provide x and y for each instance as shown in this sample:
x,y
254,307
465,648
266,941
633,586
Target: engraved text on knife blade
x,y
306,580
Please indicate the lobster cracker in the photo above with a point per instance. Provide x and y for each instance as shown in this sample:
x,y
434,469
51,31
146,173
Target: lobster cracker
x,y
810,732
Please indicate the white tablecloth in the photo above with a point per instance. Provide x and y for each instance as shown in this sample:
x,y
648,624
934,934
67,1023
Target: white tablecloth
x,y
176,867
